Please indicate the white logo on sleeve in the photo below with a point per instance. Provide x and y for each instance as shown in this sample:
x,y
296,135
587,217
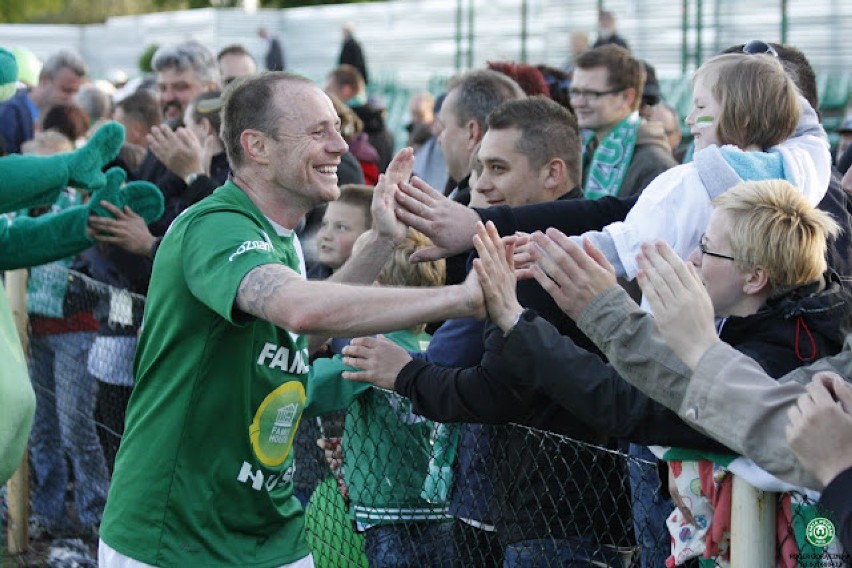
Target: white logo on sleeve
x,y
264,245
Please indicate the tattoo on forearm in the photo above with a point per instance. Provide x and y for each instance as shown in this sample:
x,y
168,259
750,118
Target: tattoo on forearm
x,y
258,289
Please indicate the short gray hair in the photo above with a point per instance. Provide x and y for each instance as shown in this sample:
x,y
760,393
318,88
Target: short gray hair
x,y
64,58
251,103
480,92
96,103
188,55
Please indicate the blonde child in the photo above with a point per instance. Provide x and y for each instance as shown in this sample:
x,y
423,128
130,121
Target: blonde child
x,y
386,446
749,123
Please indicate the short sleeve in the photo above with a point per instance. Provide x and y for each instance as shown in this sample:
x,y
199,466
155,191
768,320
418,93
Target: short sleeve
x,y
219,249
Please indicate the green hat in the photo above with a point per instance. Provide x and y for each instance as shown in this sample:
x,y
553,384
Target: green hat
x,y
8,74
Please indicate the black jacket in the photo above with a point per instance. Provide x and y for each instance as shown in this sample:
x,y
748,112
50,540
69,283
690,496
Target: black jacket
x,y
535,374
837,498
380,137
839,204
794,330
562,489
571,217
274,59
351,53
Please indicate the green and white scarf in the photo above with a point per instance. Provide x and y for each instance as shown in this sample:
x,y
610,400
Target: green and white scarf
x,y
439,478
611,158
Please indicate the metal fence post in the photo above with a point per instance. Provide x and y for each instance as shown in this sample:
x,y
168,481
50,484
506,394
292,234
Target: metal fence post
x,y
18,487
752,526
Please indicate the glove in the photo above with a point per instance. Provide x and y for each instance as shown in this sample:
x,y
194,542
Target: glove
x,y
142,197
30,181
84,165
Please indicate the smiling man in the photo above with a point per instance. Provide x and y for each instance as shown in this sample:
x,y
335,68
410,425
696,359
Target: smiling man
x,y
183,71
204,473
622,153
529,154
58,82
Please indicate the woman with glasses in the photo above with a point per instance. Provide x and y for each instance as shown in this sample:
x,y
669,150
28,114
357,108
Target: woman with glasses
x,y
761,260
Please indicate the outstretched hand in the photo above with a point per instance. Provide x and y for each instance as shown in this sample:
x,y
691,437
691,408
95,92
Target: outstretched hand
x,y
126,230
495,270
85,164
385,222
524,255
379,359
680,304
820,428
450,225
573,276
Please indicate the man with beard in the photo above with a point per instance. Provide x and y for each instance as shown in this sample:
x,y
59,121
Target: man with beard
x,y
183,71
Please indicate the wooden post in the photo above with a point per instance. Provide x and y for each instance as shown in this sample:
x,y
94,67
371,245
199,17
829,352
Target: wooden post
x,y
17,488
752,526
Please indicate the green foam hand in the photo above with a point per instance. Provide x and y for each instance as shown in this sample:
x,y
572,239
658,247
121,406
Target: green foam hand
x,y
144,198
85,164
8,74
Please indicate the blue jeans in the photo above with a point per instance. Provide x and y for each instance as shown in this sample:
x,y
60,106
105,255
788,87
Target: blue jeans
x,y
650,510
475,547
563,553
410,545
63,427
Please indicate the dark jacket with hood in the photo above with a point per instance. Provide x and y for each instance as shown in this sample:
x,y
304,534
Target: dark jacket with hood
x,y
788,332
524,378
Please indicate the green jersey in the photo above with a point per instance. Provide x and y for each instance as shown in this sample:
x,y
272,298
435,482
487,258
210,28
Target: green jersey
x,y
203,475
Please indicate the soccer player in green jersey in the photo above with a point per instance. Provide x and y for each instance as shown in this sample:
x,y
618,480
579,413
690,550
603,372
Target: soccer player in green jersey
x,y
203,475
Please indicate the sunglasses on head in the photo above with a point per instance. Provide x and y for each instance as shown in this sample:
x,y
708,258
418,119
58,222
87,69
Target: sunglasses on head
x,y
758,47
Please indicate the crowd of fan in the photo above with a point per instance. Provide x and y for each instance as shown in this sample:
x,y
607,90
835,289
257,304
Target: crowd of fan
x,y
447,448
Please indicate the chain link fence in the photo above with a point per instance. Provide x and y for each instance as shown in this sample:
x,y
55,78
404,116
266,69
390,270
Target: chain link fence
x,y
387,487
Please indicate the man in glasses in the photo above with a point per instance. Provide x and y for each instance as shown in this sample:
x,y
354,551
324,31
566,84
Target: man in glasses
x,y
621,153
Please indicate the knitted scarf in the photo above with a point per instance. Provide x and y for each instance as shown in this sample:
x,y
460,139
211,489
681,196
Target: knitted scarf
x,y
610,160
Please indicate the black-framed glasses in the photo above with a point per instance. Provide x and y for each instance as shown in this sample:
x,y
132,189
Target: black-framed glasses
x,y
702,246
591,94
758,47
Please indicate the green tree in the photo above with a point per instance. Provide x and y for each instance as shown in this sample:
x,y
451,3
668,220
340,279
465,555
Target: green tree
x,y
298,3
91,11
146,57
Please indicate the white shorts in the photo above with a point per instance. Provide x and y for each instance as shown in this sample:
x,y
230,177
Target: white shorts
x,y
110,558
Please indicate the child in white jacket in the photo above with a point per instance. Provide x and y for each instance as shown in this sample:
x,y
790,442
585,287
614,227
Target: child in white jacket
x,y
749,123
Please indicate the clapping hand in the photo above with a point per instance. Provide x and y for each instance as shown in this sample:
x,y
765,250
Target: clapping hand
x,y
495,270
681,306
